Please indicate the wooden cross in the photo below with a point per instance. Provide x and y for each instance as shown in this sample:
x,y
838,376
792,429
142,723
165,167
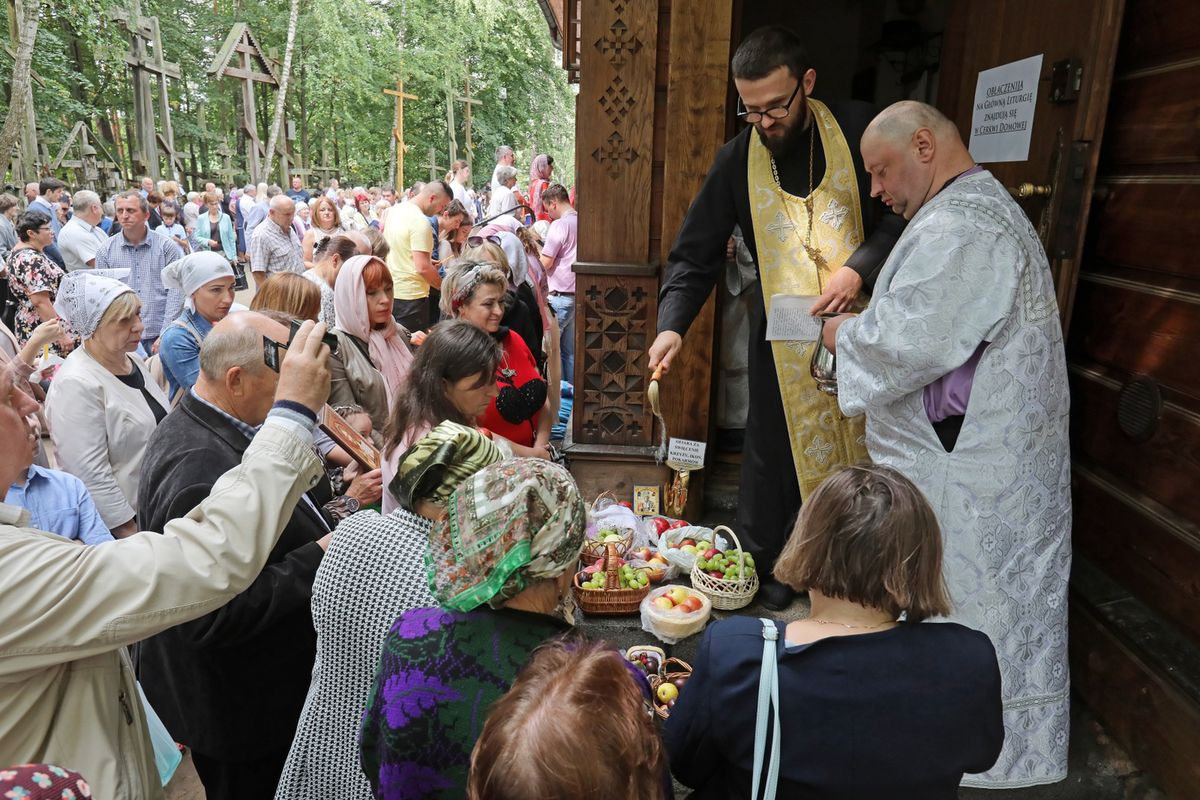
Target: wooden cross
x,y
398,128
250,67
435,172
468,101
144,33
227,170
87,167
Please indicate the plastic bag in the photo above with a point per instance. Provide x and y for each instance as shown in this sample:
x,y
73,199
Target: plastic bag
x,y
45,366
607,513
167,757
681,559
670,627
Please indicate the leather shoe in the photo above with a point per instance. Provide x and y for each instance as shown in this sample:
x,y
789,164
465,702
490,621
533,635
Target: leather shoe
x,y
775,595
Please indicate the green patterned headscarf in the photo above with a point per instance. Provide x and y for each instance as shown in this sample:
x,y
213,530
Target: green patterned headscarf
x,y
509,526
442,459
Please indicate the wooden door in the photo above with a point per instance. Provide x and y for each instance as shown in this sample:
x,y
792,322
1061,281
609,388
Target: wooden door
x,y
1078,41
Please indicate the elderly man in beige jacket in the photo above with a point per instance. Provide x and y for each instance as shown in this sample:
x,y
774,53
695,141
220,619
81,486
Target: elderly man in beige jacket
x,y
67,691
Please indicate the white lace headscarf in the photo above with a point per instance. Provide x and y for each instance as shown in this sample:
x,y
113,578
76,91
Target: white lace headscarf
x,y
193,271
82,299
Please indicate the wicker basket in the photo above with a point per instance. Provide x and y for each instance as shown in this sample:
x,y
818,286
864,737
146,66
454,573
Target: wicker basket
x,y
671,668
726,595
651,650
593,548
610,600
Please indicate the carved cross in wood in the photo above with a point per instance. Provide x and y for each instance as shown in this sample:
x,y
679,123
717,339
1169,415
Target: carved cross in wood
x,y
145,59
468,101
87,167
398,128
435,172
240,57
227,170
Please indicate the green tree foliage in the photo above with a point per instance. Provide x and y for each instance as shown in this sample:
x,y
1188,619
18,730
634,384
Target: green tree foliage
x,y
347,52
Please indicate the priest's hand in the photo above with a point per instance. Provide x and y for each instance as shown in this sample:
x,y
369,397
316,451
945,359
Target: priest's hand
x,y
829,331
663,351
839,293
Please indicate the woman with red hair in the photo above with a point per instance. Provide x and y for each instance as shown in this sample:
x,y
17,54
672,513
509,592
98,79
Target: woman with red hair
x,y
371,365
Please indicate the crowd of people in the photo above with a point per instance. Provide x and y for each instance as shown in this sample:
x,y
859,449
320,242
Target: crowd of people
x,y
196,553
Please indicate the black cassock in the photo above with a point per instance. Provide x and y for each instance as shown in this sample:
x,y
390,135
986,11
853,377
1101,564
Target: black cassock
x,y
769,494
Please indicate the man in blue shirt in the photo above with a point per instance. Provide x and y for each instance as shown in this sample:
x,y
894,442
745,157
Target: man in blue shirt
x,y
58,503
50,190
298,192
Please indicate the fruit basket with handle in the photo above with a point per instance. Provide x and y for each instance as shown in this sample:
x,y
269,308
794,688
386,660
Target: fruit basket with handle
x,y
612,599
674,670
727,594
599,521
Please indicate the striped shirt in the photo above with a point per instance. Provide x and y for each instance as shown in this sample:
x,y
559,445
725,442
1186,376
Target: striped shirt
x,y
272,250
145,262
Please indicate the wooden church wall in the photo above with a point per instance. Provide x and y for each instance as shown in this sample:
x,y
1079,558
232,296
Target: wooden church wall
x,y
1137,316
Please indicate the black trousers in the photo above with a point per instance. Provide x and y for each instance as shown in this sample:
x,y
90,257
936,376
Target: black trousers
x,y
769,492
239,780
412,314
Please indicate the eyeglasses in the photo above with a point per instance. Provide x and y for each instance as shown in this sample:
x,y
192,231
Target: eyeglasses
x,y
774,112
476,241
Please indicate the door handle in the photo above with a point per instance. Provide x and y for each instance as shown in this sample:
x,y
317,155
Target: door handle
x,y
1031,190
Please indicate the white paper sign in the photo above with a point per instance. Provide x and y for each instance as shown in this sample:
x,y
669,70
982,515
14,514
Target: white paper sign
x,y
685,453
1002,120
789,320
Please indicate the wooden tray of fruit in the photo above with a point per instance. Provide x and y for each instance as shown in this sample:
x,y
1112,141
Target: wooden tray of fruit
x,y
728,579
669,684
613,589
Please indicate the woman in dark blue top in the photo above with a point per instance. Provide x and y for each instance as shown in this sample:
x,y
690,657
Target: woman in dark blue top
x,y
871,707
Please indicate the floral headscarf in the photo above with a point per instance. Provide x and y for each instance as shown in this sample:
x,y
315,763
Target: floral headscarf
x,y
43,782
194,271
509,526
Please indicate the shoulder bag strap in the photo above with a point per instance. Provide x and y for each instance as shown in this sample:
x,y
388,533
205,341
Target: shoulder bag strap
x,y
768,702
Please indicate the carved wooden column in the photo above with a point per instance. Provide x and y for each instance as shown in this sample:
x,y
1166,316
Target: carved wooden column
x,y
613,433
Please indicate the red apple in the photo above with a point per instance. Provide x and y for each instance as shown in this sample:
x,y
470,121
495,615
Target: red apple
x,y
711,552
641,554
625,503
691,542
660,524
663,602
692,603
678,524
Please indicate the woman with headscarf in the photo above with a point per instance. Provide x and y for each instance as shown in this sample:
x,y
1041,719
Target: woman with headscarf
x,y
368,577
206,282
500,562
373,358
477,291
540,171
331,254
103,403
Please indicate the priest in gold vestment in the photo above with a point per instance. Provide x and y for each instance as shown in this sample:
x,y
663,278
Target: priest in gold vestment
x,y
795,183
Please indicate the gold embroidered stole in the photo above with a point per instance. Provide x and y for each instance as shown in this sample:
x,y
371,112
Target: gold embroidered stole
x,y
823,439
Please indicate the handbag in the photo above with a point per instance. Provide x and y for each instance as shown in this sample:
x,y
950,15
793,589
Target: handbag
x,y
768,704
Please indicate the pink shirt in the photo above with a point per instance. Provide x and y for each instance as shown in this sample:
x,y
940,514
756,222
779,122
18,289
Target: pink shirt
x,y
561,246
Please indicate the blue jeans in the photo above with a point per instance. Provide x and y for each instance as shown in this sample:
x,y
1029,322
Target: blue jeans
x,y
564,311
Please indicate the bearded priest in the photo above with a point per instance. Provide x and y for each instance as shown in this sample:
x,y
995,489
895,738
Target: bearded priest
x,y
793,180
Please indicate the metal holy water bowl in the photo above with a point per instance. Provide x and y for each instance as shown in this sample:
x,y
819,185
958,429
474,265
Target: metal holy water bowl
x,y
823,366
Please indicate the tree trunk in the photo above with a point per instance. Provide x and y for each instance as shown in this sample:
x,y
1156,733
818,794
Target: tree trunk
x,y
27,13
281,95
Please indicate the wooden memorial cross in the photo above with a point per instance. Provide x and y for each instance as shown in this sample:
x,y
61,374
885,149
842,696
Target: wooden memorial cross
x,y
451,127
398,128
87,167
435,172
251,66
226,170
144,33
469,101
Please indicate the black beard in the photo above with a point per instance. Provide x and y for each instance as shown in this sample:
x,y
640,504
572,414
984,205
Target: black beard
x,y
783,145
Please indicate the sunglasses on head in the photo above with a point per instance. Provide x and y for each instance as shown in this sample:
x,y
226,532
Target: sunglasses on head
x,y
476,241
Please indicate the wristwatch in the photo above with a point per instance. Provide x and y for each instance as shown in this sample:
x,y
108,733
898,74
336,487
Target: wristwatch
x,y
342,506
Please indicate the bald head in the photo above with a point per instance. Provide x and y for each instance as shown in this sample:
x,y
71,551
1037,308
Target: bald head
x,y
233,376
433,198
361,243
898,122
283,210
911,150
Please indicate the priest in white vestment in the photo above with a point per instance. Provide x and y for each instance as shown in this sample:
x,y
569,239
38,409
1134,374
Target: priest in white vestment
x,y
958,364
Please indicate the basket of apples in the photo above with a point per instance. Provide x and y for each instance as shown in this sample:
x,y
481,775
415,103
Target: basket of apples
x,y
608,523
667,686
728,578
614,588
675,612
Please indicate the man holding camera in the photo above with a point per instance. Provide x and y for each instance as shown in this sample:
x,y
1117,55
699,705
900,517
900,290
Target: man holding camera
x,y
231,684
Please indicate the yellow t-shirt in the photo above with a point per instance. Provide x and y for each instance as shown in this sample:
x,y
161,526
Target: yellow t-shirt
x,y
407,229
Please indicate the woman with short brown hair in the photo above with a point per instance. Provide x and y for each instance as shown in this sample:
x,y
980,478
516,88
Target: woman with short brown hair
x,y
573,724
873,702
289,292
